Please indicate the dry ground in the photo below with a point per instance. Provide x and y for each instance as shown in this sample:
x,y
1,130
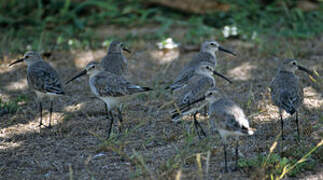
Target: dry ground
x,y
151,146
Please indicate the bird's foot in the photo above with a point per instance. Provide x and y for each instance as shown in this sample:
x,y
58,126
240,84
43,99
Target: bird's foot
x,y
225,170
228,170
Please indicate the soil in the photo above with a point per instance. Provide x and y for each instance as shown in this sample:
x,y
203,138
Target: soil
x,y
150,145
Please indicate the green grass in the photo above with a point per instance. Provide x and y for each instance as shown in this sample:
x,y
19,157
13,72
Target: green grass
x,y
11,106
294,161
48,25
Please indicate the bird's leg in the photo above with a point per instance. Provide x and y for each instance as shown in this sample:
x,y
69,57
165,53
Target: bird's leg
x,y
225,157
205,110
198,126
195,125
111,123
40,114
237,153
296,119
106,109
282,124
50,114
120,117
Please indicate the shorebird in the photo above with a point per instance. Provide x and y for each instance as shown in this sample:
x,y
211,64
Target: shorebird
x,y
112,89
43,79
199,84
227,118
286,93
207,54
114,61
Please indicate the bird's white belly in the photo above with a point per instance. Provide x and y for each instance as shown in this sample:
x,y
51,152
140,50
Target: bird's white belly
x,y
111,101
224,133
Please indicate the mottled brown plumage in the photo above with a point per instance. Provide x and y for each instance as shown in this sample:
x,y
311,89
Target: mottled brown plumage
x,y
286,92
115,62
43,79
207,54
226,117
112,89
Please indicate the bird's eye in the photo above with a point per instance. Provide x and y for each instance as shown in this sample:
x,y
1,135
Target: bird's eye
x,y
294,63
212,44
27,56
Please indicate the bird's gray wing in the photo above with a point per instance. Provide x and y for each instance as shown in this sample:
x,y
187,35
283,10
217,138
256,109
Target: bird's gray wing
x,y
182,79
42,77
195,89
289,100
286,93
111,85
115,63
229,116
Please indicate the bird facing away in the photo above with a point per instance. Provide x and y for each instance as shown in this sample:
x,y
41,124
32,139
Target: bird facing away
x,y
285,91
112,89
114,61
227,118
207,54
43,79
196,88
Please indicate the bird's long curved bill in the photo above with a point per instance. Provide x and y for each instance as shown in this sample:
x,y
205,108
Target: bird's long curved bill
x,y
222,76
227,51
77,76
17,61
302,68
127,50
196,101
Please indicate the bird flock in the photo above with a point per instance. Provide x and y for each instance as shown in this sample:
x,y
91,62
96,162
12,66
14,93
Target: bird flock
x,y
194,90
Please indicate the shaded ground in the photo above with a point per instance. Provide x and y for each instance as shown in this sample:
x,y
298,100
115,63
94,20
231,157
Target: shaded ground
x,y
151,146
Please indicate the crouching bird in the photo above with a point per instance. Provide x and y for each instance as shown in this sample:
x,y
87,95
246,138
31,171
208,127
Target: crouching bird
x,y
227,118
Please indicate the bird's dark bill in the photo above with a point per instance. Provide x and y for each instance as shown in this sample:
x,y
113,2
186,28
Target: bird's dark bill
x,y
17,61
302,68
76,76
196,101
222,76
227,51
127,50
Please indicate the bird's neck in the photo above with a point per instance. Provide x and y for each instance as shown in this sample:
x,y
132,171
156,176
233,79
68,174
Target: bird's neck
x,y
286,71
94,73
209,75
212,53
32,61
114,52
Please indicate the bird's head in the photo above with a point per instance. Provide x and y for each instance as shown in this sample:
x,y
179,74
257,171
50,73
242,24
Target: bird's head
x,y
91,68
291,65
117,47
29,58
212,47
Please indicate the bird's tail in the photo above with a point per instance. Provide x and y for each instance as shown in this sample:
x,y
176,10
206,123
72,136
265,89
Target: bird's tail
x,y
146,88
288,102
248,130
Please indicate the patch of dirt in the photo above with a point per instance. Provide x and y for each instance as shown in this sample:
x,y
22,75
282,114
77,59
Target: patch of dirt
x,y
150,146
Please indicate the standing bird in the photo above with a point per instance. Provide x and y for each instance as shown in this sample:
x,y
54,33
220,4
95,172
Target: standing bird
x,y
199,84
112,89
114,61
43,79
206,54
285,91
227,118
